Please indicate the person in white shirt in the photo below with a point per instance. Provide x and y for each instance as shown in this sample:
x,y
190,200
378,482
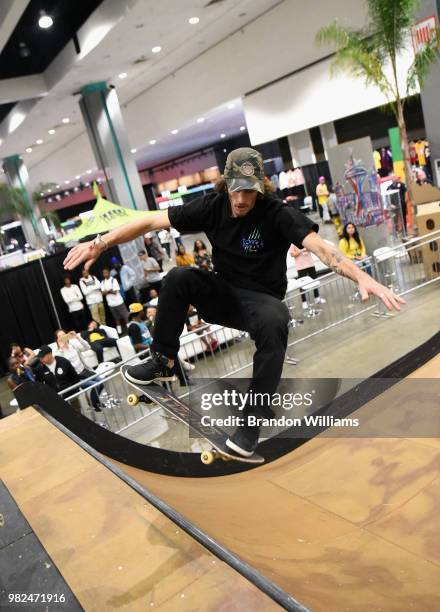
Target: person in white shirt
x,y
111,290
91,288
128,280
73,297
165,240
151,271
70,346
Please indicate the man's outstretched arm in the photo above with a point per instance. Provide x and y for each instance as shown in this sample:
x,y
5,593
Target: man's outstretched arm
x,y
339,263
89,251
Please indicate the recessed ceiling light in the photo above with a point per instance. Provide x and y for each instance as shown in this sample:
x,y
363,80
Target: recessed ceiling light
x,y
78,176
174,131
49,191
123,75
222,135
41,194
193,20
156,49
66,182
39,141
242,128
231,105
200,119
52,131
87,184
133,150
153,141
57,186
29,150
89,172
45,21
65,120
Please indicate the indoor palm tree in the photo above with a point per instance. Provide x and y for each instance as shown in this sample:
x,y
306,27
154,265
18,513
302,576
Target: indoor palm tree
x,y
373,53
13,202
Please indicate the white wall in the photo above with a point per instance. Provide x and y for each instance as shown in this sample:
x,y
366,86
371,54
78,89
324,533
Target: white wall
x,y
310,98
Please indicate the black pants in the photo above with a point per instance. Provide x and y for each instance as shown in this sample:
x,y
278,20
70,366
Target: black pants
x,y
313,274
79,320
99,345
263,316
94,393
167,247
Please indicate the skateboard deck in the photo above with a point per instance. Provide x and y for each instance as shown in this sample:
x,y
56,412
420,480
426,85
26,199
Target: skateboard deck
x,y
192,418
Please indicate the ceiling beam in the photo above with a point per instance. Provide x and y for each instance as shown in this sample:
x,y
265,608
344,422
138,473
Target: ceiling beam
x,y
22,88
10,13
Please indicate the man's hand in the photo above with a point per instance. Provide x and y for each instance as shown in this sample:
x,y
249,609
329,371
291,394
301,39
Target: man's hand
x,y
368,286
87,251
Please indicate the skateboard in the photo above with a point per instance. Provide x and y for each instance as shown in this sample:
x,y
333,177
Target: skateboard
x,y
192,418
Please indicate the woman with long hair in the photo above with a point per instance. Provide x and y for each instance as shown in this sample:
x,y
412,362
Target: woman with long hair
x,y
202,257
184,259
352,245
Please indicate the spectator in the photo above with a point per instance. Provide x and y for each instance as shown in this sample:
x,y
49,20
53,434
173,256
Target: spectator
x,y
175,235
138,329
183,258
91,288
98,339
57,372
73,297
202,257
196,324
322,195
70,346
154,250
128,280
352,246
18,373
421,178
305,266
111,291
153,298
25,356
165,241
151,271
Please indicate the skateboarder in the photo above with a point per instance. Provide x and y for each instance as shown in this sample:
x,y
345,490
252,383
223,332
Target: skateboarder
x,y
250,231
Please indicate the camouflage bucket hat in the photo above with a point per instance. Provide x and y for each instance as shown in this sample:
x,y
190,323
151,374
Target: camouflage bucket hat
x,y
244,170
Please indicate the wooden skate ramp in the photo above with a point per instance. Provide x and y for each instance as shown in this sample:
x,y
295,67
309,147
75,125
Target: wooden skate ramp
x,y
113,549
341,524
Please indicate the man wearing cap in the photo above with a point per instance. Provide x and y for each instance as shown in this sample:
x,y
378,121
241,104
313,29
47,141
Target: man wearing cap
x,y
250,231
137,328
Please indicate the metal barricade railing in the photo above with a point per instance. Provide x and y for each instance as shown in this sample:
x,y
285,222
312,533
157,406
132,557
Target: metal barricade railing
x,y
405,268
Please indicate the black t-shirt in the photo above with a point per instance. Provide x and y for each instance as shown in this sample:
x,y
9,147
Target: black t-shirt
x,y
249,252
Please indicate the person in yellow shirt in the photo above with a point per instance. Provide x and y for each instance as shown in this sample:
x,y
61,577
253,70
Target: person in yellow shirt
x,y
351,244
183,258
322,194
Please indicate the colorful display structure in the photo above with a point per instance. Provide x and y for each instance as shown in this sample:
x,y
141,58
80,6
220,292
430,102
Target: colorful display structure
x,y
363,205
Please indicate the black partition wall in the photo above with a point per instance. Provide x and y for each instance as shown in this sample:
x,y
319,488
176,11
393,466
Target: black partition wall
x,y
31,306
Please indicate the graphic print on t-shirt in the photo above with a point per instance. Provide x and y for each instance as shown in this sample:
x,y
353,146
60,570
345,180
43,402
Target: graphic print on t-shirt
x,y
253,244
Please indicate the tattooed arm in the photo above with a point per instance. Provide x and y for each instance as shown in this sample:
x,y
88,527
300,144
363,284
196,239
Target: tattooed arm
x,y
339,263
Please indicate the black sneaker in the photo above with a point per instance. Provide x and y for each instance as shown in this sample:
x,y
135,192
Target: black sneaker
x,y
244,440
153,370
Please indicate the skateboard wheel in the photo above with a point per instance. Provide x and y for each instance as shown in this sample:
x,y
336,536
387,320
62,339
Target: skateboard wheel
x,y
207,457
132,399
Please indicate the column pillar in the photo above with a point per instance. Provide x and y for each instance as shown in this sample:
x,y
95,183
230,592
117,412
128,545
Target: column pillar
x,y
102,116
328,135
301,148
18,177
430,97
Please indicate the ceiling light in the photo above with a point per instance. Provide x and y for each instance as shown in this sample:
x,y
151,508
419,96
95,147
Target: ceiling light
x,y
200,119
153,141
23,50
52,132
57,186
156,49
76,189
222,135
41,194
49,191
39,141
65,120
133,150
174,131
87,184
231,105
123,75
89,172
66,182
193,20
45,20
242,128
29,150
78,176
